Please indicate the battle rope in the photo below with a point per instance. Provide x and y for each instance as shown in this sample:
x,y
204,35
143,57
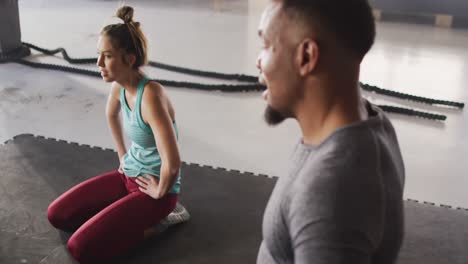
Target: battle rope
x,y
198,86
248,78
228,87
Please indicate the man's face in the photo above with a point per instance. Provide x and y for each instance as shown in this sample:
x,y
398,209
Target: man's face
x,y
276,65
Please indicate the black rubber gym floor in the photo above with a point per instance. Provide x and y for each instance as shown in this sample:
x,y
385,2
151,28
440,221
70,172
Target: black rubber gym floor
x,y
226,210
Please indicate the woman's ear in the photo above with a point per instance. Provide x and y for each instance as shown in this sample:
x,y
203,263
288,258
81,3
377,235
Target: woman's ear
x,y
129,59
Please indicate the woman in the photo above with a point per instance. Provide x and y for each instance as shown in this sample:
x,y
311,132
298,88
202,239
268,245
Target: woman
x,y
114,211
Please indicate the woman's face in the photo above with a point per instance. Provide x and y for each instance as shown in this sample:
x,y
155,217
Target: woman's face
x,y
110,60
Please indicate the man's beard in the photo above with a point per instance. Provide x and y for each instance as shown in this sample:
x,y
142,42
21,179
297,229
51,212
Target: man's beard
x,y
273,117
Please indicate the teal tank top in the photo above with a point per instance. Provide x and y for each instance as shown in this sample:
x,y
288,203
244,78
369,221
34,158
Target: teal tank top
x,y
143,156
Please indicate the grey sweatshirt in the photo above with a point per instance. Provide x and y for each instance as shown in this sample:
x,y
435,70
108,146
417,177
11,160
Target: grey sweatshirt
x,y
341,201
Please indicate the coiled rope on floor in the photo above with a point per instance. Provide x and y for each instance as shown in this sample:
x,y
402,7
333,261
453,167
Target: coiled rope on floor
x,y
248,78
251,85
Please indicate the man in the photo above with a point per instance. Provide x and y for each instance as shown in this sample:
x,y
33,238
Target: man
x,y
341,201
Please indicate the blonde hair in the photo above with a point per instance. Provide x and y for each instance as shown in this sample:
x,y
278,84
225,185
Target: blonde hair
x,y
128,36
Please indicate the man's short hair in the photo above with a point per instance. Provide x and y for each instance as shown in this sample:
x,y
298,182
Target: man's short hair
x,y
351,21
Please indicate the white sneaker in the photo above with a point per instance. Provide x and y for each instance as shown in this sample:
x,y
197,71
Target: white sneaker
x,y
177,216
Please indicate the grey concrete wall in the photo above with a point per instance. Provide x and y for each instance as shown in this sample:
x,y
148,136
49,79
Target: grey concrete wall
x,y
457,8
452,7
10,35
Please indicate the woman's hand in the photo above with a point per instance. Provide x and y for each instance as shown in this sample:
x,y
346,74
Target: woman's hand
x,y
149,185
120,169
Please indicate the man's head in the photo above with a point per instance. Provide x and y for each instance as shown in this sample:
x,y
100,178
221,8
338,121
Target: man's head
x,y
305,40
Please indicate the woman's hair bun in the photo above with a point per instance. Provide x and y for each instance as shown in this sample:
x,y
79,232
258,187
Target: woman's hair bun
x,y
125,13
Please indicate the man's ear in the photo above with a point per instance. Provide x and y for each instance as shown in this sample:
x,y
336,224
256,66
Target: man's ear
x,y
307,56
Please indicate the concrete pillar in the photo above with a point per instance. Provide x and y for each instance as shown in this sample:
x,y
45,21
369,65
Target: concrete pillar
x,y
10,34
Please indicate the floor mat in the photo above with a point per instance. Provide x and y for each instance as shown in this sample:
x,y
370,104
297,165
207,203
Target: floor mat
x,y
226,210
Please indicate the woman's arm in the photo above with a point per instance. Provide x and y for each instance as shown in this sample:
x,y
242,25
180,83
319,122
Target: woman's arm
x,y
155,109
113,119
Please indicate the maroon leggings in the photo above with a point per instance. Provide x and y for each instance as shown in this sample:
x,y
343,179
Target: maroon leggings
x,y
109,215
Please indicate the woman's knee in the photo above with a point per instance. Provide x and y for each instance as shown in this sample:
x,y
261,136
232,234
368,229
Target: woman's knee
x,y
56,217
82,248
85,247
59,217
75,246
